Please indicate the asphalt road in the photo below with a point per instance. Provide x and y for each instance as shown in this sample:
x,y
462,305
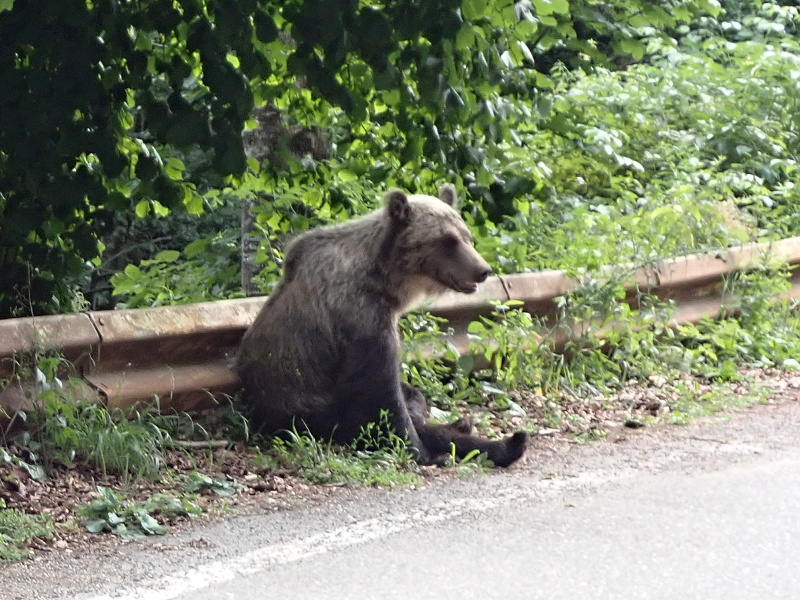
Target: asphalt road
x,y
701,512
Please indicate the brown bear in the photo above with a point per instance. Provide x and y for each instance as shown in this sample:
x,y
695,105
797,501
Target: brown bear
x,y
323,353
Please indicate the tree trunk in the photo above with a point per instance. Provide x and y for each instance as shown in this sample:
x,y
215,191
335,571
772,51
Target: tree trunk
x,y
249,249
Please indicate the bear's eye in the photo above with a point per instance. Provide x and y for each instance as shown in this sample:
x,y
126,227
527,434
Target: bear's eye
x,y
449,242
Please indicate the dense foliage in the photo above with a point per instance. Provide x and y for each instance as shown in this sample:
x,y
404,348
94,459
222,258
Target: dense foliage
x,y
694,147
112,108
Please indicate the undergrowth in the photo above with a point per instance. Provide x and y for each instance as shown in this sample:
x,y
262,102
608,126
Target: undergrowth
x,y
17,529
68,431
379,457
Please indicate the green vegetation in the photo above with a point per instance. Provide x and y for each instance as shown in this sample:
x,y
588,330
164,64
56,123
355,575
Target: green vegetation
x,y
693,148
196,483
379,458
133,520
66,430
17,529
133,109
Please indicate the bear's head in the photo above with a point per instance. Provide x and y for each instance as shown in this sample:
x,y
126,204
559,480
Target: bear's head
x,y
432,245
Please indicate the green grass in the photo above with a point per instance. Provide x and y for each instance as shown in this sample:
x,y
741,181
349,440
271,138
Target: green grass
x,y
377,458
694,403
17,529
70,433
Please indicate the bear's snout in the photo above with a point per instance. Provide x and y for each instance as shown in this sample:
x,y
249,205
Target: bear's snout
x,y
483,274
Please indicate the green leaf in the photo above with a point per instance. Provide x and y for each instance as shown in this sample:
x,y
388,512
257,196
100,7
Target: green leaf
x,y
132,272
168,256
196,248
633,47
474,9
114,519
150,525
548,7
6,5
159,208
465,39
142,208
194,202
95,525
36,472
345,176
125,533
476,327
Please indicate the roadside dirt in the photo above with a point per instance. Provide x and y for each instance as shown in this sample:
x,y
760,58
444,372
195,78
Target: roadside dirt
x,y
635,409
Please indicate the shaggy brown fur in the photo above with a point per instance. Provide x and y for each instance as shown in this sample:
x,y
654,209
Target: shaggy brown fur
x,y
324,351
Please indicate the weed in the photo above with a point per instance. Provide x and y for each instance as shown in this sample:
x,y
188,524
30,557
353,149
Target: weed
x,y
434,365
17,529
693,401
607,342
67,432
133,520
474,463
378,458
508,342
195,483
65,427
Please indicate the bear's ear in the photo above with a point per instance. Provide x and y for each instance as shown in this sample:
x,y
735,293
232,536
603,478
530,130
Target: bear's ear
x,y
447,194
399,207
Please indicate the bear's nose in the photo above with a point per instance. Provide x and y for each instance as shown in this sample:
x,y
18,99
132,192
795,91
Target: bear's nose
x,y
483,275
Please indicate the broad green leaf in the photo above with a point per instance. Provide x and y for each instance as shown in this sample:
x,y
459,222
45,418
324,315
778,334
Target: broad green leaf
x,y
633,47
548,7
168,256
465,39
474,9
196,247
193,202
95,525
36,472
159,208
133,272
476,327
150,525
342,175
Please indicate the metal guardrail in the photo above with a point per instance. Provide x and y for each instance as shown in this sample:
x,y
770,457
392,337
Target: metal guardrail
x,y
183,354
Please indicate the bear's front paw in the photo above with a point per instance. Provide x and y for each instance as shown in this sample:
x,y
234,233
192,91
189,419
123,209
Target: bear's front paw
x,y
463,425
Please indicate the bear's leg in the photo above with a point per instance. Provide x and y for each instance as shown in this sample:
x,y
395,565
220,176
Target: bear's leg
x,y
368,384
437,439
418,410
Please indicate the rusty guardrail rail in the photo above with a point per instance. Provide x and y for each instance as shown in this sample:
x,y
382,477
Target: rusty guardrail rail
x,y
183,354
